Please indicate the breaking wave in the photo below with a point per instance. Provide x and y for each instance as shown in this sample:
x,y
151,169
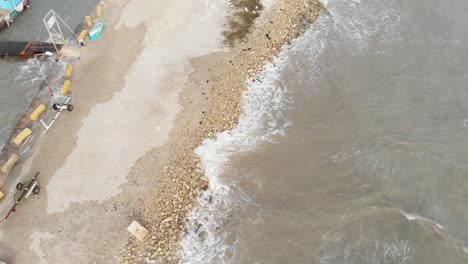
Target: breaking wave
x,y
265,103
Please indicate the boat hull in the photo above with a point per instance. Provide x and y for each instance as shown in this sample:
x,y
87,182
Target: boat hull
x,y
6,21
96,30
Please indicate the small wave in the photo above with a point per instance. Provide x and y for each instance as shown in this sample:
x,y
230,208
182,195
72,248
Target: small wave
x,y
413,217
30,73
457,242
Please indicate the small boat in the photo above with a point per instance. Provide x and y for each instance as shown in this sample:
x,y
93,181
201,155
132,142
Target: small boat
x,y
96,30
9,10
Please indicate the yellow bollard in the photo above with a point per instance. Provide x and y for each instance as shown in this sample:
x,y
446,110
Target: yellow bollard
x,y
65,87
99,10
22,136
9,164
38,112
1,195
69,70
89,21
82,36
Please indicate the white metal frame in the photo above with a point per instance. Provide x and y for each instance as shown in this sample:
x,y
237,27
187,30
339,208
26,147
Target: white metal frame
x,y
44,77
61,108
52,23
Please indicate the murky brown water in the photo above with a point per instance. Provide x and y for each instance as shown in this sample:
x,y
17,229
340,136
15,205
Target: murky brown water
x,y
353,147
241,19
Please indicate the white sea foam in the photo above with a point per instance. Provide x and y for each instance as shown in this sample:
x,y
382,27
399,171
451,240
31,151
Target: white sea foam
x,y
340,245
265,103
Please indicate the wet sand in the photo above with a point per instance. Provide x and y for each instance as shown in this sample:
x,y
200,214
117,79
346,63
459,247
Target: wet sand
x,y
123,155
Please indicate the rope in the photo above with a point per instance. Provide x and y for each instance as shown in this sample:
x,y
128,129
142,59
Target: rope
x,y
11,211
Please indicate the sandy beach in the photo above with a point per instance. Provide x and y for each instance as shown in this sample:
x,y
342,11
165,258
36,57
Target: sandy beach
x,y
146,95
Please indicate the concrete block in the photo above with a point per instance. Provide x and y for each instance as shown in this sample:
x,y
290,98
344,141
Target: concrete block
x,y
10,164
89,21
99,10
22,136
69,70
38,112
82,36
66,87
138,231
69,51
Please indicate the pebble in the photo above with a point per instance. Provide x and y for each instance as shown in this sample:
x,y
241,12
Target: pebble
x,y
167,220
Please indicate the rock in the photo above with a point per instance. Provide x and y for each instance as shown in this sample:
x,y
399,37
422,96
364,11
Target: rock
x,y
166,220
68,51
204,179
148,260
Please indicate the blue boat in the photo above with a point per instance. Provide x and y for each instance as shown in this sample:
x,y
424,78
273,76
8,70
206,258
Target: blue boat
x,y
9,10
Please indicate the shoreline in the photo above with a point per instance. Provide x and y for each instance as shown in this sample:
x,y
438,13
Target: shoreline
x,y
127,150
215,88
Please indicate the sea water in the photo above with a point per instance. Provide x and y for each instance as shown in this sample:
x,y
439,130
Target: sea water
x,y
352,147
